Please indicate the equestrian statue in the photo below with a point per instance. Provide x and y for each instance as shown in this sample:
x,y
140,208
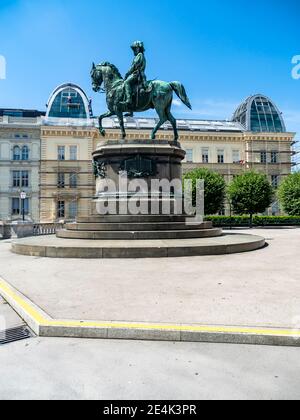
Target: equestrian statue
x,y
135,93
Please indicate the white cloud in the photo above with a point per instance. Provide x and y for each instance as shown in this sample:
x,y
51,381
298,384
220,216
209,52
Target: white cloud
x,y
177,102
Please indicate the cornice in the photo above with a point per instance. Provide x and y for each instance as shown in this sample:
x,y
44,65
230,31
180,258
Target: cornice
x,y
66,132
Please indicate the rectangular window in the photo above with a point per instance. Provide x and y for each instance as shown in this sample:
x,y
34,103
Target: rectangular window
x,y
73,180
274,157
73,210
236,158
221,156
16,206
263,157
60,180
61,153
60,209
190,155
25,179
25,153
20,179
16,179
73,152
17,153
26,206
275,181
205,156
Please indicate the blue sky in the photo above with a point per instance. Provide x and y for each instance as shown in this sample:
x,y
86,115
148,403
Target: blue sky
x,y
223,51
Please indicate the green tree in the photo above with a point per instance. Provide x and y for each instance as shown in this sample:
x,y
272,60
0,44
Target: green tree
x,y
250,193
289,194
214,186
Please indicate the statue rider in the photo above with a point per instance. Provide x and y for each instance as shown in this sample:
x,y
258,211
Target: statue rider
x,y
135,79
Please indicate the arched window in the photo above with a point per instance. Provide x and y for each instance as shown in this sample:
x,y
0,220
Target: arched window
x,y
25,153
17,153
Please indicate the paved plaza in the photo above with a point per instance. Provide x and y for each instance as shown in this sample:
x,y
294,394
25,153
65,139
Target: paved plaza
x,y
259,288
51,368
58,368
256,289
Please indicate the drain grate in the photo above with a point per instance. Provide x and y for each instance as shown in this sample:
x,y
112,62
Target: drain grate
x,y
14,334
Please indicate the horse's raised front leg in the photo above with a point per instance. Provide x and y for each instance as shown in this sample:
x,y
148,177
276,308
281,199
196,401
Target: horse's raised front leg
x,y
106,115
122,125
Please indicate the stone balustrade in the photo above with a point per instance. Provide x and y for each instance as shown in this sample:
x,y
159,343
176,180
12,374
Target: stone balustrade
x,y
28,229
40,229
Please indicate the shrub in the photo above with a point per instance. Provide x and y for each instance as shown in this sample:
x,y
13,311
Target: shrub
x,y
250,193
214,189
242,221
289,194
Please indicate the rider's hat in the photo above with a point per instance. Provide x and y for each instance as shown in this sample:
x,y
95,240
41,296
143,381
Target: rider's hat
x,y
138,44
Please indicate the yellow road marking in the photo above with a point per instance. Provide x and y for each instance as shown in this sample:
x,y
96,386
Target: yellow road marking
x,y
29,309
39,318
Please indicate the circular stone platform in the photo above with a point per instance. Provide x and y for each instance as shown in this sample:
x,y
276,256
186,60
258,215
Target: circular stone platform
x,y
53,247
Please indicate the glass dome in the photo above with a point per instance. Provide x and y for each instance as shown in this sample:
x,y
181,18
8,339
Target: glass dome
x,y
259,114
69,101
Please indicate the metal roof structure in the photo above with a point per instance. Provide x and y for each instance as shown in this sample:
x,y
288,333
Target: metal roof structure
x,y
68,105
183,124
259,114
20,113
69,101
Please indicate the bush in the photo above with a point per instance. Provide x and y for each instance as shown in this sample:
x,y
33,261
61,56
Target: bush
x,y
250,193
214,186
243,221
225,221
289,194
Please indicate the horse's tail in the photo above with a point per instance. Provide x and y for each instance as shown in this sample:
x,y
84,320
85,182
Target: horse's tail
x,y
181,93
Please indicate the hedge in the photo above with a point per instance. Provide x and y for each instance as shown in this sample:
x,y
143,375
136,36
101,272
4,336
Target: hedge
x,y
241,221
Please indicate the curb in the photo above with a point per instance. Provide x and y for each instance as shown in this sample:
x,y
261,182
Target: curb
x,y
45,326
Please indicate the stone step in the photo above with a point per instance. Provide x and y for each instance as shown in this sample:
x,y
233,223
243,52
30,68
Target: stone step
x,y
133,218
137,226
139,235
53,247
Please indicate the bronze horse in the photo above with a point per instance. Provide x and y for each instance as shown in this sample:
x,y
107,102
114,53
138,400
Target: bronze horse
x,y
158,96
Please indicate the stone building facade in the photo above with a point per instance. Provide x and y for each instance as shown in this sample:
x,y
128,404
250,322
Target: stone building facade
x,y
225,147
19,163
67,183
49,155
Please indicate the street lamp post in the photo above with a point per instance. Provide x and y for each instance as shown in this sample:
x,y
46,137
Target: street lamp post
x,y
23,197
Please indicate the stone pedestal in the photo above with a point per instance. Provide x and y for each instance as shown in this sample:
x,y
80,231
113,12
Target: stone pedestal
x,y
138,168
144,233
